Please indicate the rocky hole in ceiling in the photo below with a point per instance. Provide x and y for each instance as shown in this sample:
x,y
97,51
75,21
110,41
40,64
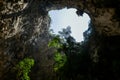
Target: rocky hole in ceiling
x,y
24,32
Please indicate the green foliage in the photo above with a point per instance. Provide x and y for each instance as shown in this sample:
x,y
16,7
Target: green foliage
x,y
23,68
55,42
60,60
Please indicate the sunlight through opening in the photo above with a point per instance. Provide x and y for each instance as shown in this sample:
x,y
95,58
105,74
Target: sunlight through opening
x,y
67,17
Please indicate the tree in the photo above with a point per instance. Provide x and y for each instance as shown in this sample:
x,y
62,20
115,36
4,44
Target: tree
x,y
71,57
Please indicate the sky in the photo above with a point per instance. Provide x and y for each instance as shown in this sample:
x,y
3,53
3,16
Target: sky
x,y
67,17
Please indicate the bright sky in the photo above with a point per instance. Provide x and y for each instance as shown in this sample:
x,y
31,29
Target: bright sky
x,y
68,17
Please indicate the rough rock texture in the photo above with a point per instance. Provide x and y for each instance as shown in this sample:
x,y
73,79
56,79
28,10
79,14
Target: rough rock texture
x,y
24,26
25,34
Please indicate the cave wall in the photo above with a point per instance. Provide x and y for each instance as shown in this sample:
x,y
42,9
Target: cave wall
x,y
23,35
24,30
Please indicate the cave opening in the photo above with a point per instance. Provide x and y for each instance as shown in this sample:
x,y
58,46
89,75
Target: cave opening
x,y
67,17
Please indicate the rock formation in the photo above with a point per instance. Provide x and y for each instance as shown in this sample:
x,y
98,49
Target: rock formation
x,y
24,31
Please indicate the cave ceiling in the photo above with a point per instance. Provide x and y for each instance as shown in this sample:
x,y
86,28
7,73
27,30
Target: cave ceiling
x,y
104,14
